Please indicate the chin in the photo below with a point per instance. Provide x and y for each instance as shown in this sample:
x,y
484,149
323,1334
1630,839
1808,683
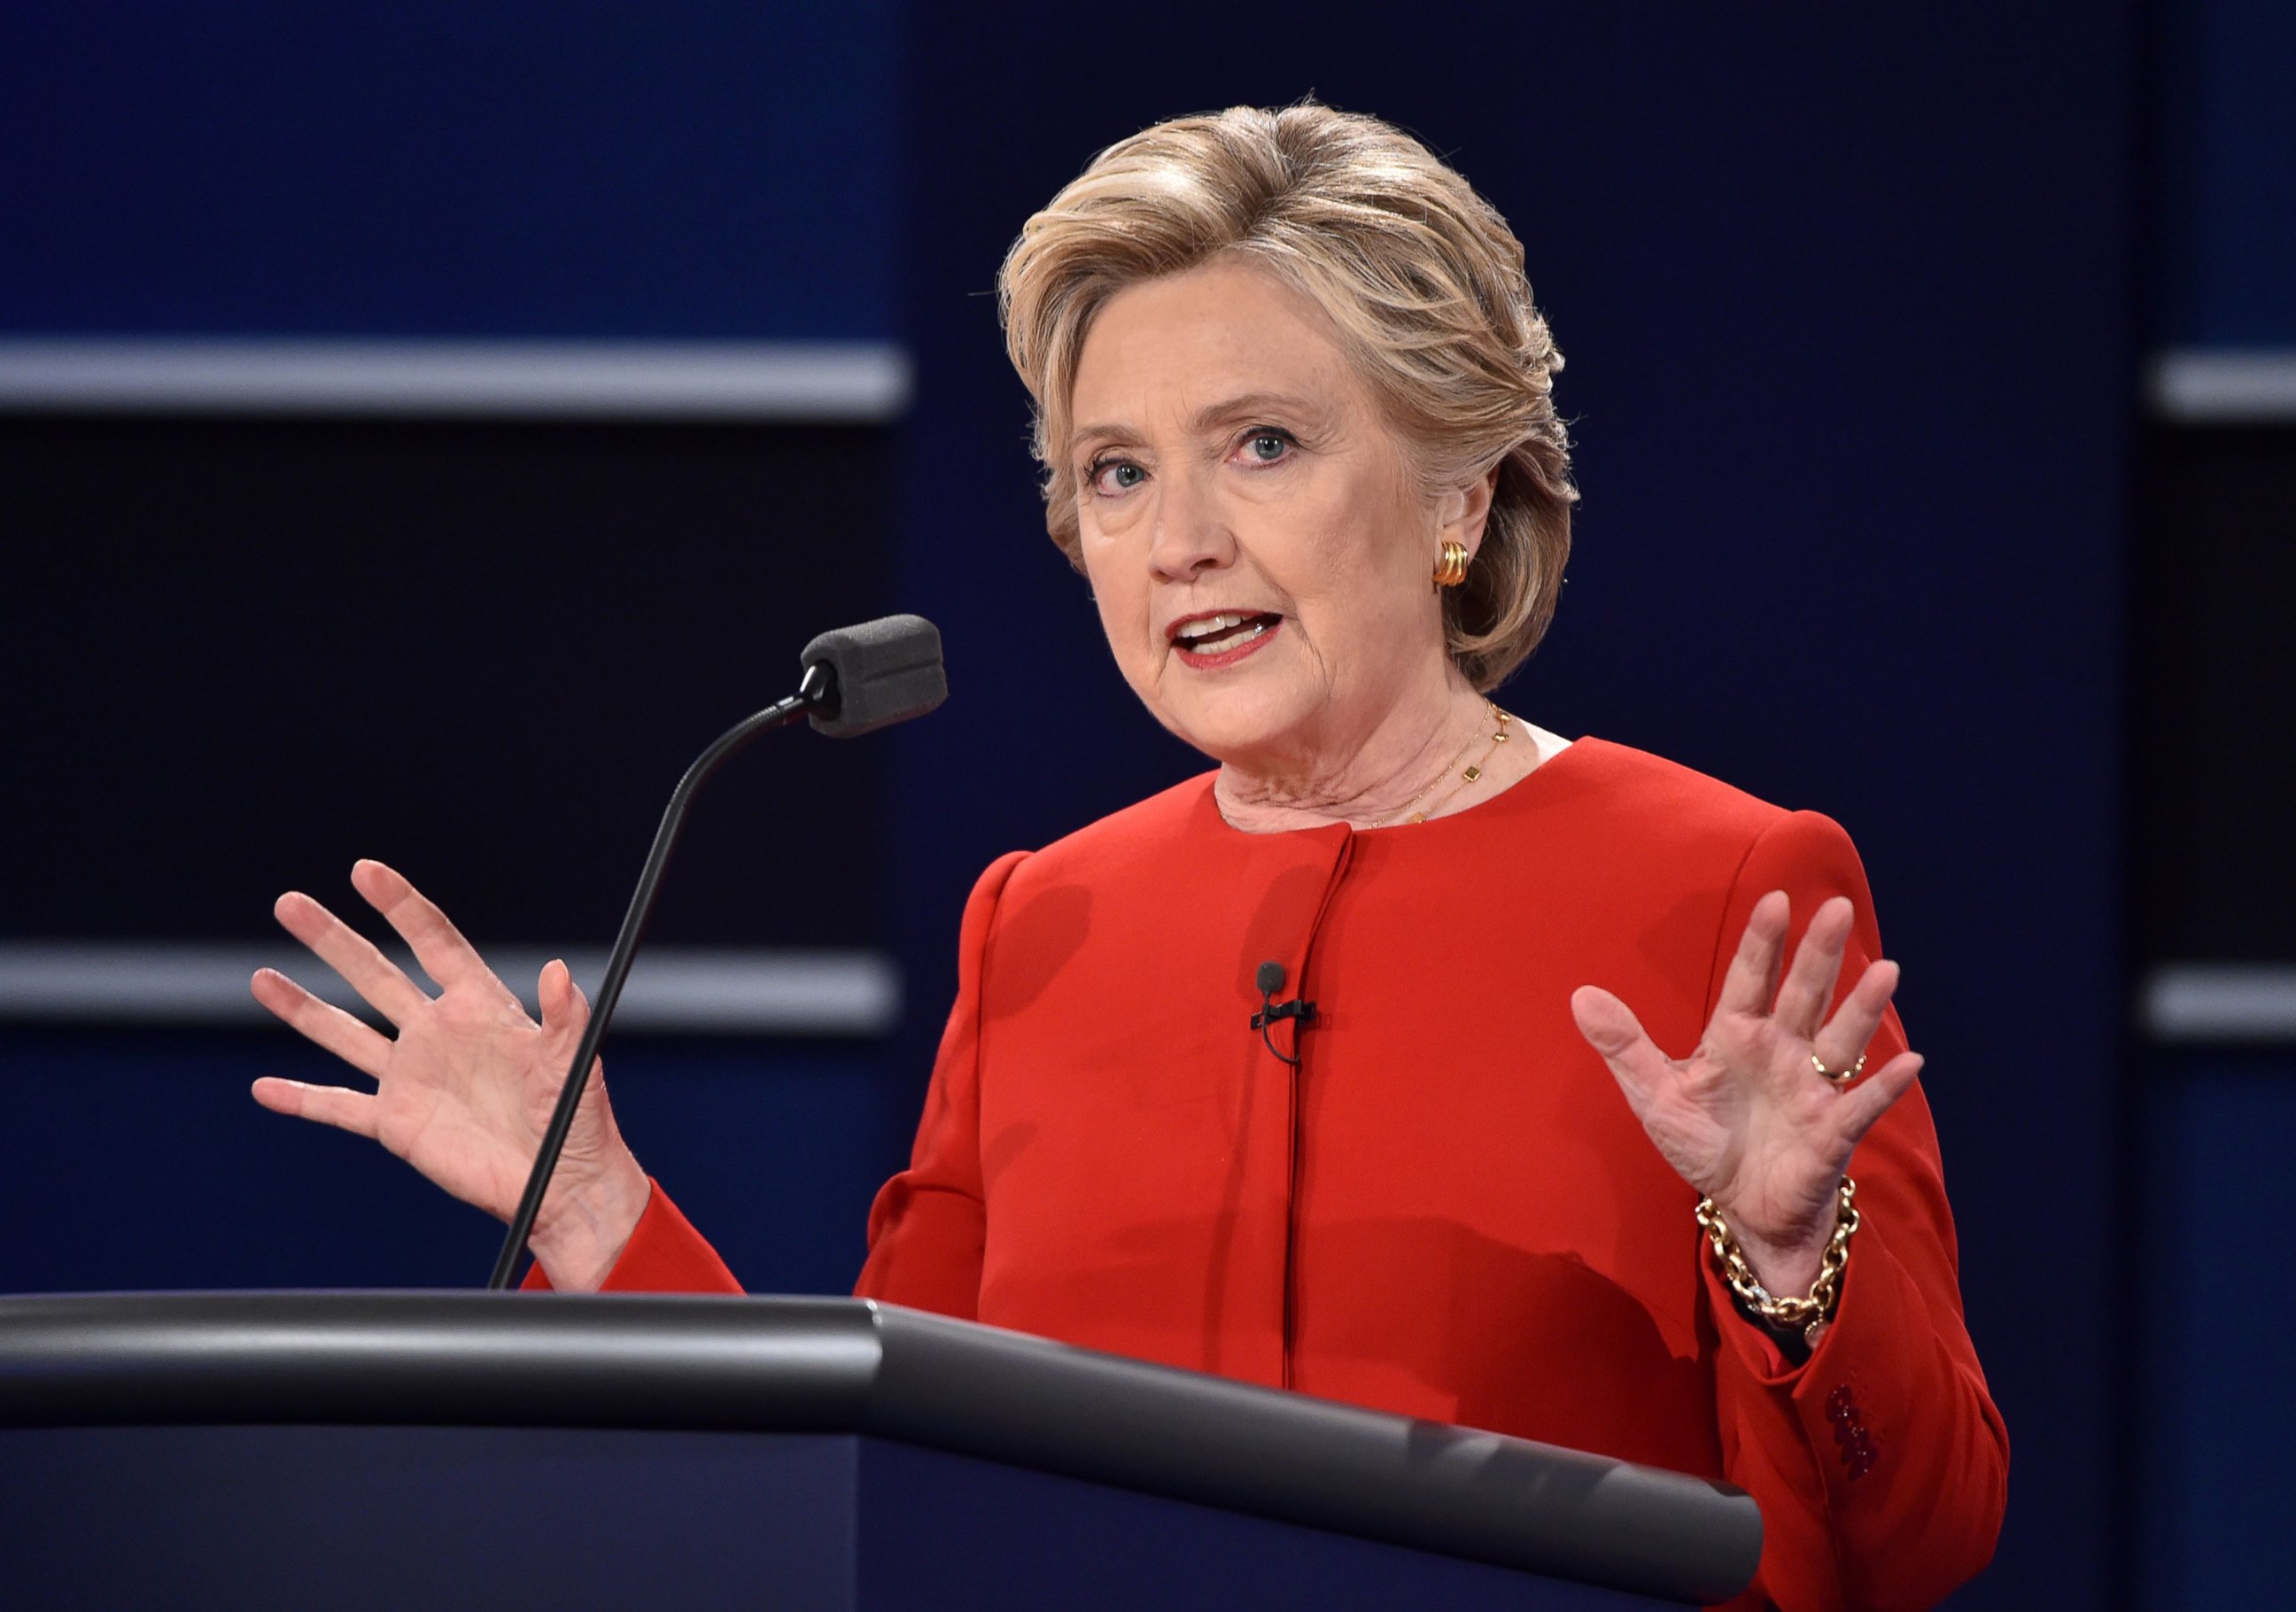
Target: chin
x,y
1231,724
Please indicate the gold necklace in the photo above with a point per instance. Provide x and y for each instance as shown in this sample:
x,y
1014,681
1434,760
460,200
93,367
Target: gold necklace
x,y
1419,806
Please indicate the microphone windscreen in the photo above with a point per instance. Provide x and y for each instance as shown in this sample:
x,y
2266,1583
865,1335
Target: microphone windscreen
x,y
888,671
1271,977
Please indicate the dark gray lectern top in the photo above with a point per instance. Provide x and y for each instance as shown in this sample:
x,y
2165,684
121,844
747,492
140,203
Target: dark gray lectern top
x,y
852,1366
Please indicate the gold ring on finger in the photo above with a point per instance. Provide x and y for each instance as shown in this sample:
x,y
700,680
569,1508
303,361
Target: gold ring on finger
x,y
1840,1078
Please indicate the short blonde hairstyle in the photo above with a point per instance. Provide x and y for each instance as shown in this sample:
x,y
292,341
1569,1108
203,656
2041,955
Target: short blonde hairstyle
x,y
1421,275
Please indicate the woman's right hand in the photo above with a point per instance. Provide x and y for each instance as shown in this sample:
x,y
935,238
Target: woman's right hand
x,y
466,1089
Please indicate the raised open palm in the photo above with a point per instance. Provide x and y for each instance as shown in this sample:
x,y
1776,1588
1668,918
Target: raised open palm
x,y
1746,1117
464,1090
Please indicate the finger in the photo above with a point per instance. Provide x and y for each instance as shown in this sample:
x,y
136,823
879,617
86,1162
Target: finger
x,y
565,1012
1869,1099
437,944
564,1009
379,981
1846,1036
1808,989
1753,976
346,1111
359,1045
1611,1029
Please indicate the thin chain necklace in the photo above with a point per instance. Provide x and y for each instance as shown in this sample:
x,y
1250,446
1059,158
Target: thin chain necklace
x,y
1418,808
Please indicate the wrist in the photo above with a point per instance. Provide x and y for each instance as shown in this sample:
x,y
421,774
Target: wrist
x,y
1787,1264
1772,1292
588,1220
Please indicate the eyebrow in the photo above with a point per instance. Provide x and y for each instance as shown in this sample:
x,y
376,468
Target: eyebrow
x,y
1211,415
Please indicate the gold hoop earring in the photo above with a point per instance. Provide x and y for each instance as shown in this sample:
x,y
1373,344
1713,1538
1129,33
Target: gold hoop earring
x,y
1451,566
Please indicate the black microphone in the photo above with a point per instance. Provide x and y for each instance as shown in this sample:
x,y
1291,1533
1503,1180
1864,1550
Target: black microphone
x,y
856,679
887,671
1270,980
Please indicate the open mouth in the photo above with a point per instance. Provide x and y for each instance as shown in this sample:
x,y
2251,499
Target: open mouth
x,y
1212,638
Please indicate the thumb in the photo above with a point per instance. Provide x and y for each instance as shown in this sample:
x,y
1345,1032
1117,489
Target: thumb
x,y
1609,1025
564,1009
1611,1029
565,1014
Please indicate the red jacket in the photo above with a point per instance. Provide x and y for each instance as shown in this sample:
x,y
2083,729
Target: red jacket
x,y
1447,1211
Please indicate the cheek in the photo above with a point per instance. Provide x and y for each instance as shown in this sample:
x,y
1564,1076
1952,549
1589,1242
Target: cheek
x,y
1361,627
1356,569
1120,596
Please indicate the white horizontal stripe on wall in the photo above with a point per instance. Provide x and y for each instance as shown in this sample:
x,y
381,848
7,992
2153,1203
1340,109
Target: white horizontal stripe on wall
x,y
672,990
762,381
2196,386
2228,1002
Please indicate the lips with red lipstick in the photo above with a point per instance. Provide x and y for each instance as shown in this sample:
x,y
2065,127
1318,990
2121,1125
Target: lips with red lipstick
x,y
1212,638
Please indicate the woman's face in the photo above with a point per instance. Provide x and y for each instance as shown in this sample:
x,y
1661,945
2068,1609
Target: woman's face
x,y
1260,554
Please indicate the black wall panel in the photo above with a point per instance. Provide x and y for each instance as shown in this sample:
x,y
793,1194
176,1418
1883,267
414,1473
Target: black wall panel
x,y
2215,700
243,653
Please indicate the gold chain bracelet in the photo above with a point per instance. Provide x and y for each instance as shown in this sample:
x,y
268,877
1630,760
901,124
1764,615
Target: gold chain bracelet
x,y
1810,1313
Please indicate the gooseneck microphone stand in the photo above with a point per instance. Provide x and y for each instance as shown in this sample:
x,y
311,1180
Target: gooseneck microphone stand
x,y
817,693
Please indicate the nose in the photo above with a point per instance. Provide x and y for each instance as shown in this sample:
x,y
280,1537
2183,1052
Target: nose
x,y
1192,536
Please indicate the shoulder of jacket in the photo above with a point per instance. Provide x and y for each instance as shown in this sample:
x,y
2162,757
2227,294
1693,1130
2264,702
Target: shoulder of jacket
x,y
1683,818
1146,828
1670,805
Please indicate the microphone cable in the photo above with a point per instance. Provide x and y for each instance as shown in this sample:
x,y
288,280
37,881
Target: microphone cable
x,y
1269,978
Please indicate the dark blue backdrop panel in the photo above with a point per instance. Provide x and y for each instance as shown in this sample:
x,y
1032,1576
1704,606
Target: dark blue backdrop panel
x,y
136,1159
2227,236
2213,1485
683,170
1849,327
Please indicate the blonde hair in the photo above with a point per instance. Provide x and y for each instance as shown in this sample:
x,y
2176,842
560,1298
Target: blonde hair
x,y
1421,275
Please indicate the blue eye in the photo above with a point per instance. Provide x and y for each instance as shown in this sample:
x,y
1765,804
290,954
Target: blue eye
x,y
1115,476
1266,447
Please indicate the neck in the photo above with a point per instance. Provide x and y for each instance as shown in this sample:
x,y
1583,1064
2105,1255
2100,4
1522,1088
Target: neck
x,y
1365,778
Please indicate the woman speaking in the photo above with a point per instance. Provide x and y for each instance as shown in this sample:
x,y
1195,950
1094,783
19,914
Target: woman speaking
x,y
1293,407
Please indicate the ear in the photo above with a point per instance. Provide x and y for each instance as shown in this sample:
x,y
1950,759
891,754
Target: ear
x,y
1463,512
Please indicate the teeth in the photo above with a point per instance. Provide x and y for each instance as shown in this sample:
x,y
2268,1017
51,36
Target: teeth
x,y
1230,640
1209,626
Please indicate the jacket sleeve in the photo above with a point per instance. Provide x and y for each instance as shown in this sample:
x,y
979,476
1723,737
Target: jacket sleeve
x,y
928,1227
664,1255
1881,1463
925,1229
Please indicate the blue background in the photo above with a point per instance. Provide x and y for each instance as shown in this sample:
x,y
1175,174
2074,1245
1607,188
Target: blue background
x,y
430,169
1854,304
2224,237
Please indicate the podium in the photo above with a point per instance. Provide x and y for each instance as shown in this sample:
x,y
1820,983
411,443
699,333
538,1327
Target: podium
x,y
420,1449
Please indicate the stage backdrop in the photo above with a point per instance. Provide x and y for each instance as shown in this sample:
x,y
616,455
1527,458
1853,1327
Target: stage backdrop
x,y
1847,303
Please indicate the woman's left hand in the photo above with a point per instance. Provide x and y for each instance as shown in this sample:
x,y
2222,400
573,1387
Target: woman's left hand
x,y
1746,1118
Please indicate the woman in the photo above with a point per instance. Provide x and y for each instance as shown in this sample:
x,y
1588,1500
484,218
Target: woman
x,y
1292,403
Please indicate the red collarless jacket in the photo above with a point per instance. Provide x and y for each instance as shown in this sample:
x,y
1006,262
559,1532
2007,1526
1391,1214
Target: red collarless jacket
x,y
1447,1210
